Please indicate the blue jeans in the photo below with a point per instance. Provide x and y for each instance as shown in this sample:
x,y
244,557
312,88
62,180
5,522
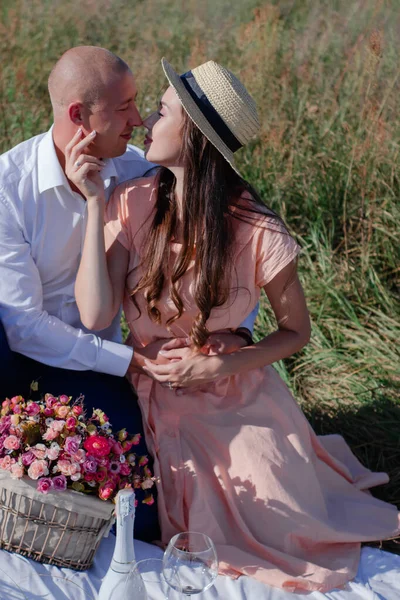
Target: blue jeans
x,y
112,394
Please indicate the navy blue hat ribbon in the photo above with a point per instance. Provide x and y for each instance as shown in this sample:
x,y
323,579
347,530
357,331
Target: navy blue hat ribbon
x,y
209,112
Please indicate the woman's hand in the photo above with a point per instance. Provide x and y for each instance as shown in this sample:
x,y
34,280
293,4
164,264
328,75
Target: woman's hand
x,y
190,373
82,169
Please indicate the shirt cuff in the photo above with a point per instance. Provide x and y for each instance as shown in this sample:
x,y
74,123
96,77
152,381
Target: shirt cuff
x,y
248,323
113,359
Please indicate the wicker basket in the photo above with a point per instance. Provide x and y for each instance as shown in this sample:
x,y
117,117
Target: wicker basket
x,y
62,529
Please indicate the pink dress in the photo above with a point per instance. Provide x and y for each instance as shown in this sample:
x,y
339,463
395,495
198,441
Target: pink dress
x,y
237,459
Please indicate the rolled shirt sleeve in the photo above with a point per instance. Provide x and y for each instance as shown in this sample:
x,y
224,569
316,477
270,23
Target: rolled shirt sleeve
x,y
30,329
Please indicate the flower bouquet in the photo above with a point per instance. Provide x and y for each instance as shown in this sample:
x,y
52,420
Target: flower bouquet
x,y
57,467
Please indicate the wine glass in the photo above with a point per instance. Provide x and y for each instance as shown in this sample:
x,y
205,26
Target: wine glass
x,y
146,580
191,556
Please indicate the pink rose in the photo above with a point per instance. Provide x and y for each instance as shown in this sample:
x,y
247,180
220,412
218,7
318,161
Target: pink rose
x,y
106,490
117,448
17,471
126,446
48,412
32,409
53,452
59,483
50,401
75,476
77,410
64,399
5,403
62,411
17,409
72,444
27,458
58,425
50,435
44,485
11,442
39,450
136,439
79,456
143,461
74,469
5,424
89,477
64,466
6,463
37,469
71,423
16,399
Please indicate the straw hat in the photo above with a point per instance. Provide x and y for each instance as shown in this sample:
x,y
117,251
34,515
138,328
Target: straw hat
x,y
218,103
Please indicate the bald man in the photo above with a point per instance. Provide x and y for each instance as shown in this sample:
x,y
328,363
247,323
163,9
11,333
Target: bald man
x,y
42,227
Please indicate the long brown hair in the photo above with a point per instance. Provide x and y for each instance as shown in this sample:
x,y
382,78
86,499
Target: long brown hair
x,y
211,189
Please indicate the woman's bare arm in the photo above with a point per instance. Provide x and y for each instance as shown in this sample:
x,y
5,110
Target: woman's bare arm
x,y
289,306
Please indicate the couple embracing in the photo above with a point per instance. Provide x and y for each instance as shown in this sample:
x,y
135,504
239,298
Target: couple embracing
x,y
186,248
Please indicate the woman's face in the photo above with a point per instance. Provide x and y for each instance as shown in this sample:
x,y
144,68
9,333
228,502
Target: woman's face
x,y
163,141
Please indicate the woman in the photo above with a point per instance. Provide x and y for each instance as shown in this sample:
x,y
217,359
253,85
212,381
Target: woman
x,y
189,251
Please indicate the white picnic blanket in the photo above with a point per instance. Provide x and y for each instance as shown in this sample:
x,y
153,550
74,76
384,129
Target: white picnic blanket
x,y
378,578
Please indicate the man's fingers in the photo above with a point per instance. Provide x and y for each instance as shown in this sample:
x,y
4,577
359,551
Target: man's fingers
x,y
159,370
169,354
176,343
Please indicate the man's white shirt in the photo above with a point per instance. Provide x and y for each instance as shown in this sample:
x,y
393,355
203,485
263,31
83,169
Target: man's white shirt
x,y
42,229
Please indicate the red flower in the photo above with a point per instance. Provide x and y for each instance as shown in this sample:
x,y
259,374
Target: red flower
x,y
97,446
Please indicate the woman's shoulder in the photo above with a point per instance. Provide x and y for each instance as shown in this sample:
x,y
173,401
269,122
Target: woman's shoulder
x,y
132,189
251,215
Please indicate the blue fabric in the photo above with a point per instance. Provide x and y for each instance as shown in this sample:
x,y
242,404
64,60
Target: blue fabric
x,y
113,395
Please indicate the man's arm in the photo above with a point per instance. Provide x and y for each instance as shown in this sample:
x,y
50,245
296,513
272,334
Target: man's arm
x,y
30,329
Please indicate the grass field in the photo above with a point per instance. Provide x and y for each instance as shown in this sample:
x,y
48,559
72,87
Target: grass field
x,y
325,74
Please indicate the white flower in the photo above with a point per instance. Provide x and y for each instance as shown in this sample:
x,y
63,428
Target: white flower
x,y
122,458
147,484
91,483
49,421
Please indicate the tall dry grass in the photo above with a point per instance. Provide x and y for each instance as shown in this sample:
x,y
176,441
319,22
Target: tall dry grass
x,y
325,74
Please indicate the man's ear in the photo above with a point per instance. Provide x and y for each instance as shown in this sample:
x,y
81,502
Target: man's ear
x,y
75,113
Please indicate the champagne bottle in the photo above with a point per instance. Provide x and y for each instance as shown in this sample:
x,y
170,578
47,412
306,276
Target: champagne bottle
x,y
113,586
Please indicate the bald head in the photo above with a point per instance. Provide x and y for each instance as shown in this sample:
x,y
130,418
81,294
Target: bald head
x,y
83,74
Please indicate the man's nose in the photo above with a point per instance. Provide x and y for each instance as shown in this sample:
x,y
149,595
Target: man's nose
x,y
135,120
151,120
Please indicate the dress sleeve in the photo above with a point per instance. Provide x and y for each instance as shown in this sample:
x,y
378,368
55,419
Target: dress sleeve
x,y
117,218
275,249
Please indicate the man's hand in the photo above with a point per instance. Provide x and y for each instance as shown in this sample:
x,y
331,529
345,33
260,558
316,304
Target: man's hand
x,y
190,373
157,352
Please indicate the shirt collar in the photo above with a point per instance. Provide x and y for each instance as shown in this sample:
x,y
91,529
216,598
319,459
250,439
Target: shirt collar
x,y
50,173
108,172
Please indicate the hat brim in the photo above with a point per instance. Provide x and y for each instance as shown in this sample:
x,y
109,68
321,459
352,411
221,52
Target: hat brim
x,y
196,115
